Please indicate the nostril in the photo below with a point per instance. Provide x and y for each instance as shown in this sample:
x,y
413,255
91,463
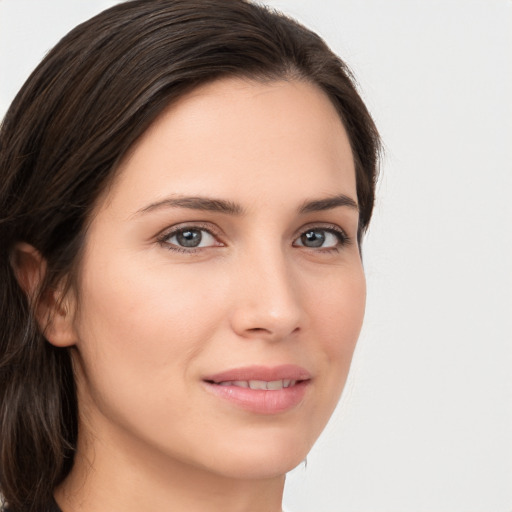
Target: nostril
x,y
264,319
270,332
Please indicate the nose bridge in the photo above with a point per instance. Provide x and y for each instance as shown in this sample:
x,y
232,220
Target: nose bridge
x,y
267,301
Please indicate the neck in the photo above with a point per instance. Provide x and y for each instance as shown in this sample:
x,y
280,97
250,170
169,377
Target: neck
x,y
111,475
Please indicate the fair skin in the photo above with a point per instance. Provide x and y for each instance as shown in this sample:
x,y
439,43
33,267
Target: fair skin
x,y
265,271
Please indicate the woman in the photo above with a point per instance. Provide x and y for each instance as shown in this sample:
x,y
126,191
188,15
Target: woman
x,y
184,190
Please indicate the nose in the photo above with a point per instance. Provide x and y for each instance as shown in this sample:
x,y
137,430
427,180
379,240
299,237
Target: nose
x,y
266,298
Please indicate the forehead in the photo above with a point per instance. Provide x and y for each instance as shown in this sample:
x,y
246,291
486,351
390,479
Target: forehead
x,y
239,137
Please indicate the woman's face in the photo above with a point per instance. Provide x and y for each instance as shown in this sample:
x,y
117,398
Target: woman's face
x,y
223,258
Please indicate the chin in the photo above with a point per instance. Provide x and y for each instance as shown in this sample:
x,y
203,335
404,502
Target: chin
x,y
268,454
263,467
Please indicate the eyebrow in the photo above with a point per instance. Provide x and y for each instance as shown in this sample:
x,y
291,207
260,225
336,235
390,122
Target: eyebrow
x,y
195,203
232,208
328,203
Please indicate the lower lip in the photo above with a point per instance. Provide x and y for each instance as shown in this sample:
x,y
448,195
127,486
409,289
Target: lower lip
x,y
261,401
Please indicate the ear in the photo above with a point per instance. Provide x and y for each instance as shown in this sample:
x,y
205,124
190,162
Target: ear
x,y
54,309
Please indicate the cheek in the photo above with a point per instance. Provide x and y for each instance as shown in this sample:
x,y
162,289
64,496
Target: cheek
x,y
141,329
138,306
141,326
338,314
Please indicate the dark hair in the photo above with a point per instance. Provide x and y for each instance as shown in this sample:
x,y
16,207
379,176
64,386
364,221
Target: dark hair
x,y
76,116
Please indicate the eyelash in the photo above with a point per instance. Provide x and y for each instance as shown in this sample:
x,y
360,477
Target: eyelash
x,y
343,239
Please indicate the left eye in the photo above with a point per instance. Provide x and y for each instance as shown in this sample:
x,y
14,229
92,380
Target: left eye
x,y
320,238
191,238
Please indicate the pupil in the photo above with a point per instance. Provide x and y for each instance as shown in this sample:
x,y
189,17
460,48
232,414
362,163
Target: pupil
x,y
189,238
313,239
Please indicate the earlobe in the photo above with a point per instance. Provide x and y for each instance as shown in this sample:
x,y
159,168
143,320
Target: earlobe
x,y
53,309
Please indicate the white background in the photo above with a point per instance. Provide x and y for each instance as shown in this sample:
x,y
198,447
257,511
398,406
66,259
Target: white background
x,y
425,424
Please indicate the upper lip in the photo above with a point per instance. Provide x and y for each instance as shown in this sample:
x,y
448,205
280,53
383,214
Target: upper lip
x,y
266,373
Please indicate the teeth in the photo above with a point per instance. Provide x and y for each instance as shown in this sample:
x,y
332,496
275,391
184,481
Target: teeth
x,y
259,384
275,384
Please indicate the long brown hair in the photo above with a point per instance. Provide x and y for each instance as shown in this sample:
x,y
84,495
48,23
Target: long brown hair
x,y
78,113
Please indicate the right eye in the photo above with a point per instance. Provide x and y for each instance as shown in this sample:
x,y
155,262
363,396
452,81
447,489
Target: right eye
x,y
189,238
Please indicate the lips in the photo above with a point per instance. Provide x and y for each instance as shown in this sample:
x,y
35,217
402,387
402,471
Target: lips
x,y
261,389
261,373
259,384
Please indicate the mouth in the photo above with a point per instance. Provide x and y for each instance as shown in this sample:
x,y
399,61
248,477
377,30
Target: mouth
x,y
272,385
261,390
